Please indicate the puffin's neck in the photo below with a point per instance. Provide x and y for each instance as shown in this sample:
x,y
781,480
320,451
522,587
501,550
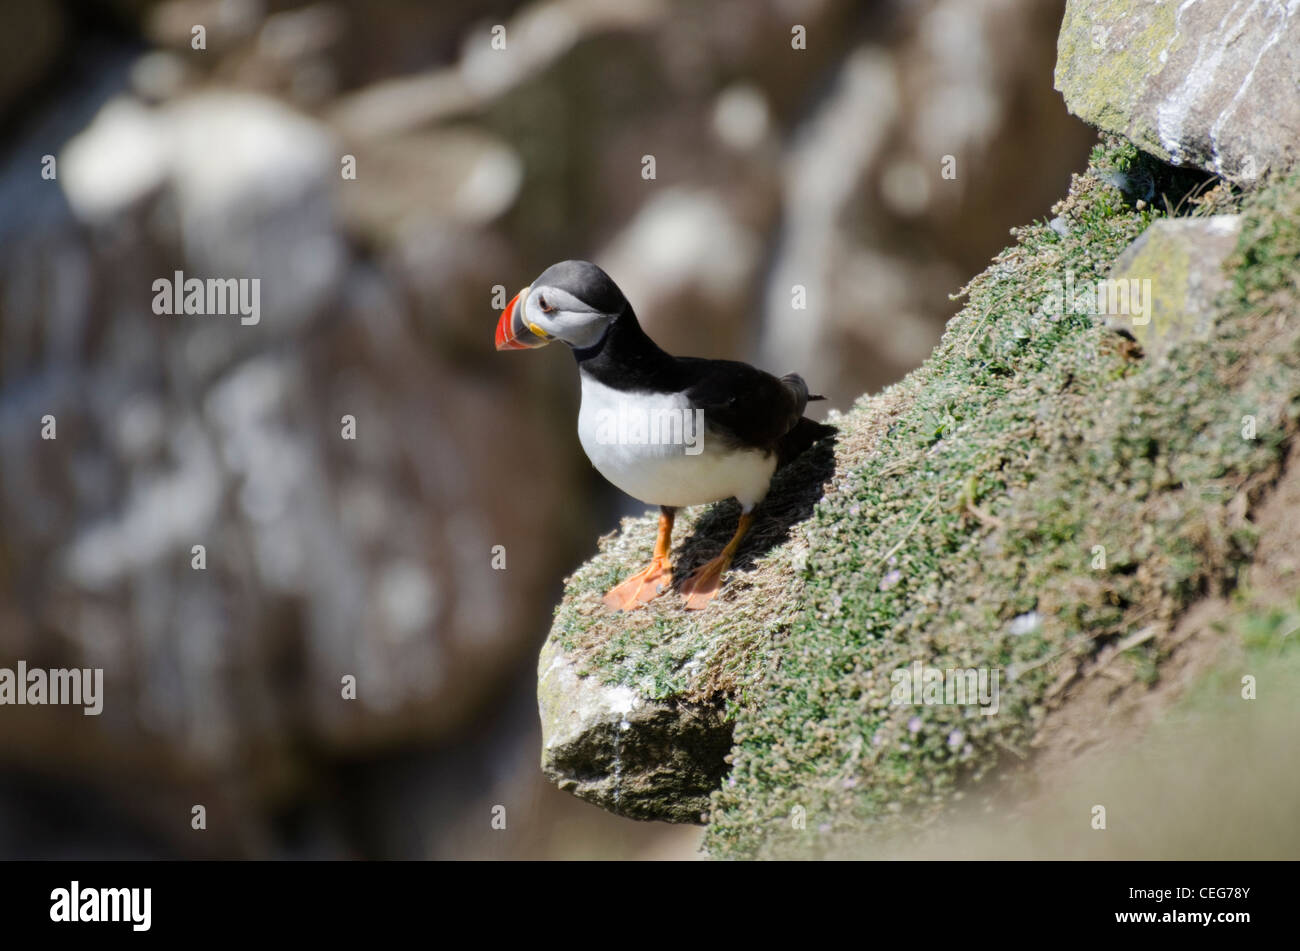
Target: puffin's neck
x,y
626,358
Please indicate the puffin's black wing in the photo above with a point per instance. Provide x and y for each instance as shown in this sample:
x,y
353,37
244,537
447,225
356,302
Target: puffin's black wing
x,y
749,407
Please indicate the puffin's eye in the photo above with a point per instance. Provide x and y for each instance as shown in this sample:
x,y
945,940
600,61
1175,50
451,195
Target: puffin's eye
x,y
541,302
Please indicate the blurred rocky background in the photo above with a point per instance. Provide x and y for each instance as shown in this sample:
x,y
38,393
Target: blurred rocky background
x,y
863,166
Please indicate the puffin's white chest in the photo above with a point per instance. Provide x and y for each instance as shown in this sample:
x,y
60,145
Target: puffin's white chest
x,y
657,449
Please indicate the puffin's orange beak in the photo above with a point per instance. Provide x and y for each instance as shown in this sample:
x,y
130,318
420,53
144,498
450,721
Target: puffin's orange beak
x,y
512,332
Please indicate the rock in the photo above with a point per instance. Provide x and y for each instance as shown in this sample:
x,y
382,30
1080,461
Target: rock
x,y
401,105
404,182
30,36
684,257
252,179
827,161
248,179
1176,269
535,39
609,745
324,558
1210,84
542,33
741,117
116,162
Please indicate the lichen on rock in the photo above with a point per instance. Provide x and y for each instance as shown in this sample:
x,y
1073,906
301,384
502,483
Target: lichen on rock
x,y
635,756
1209,84
1174,274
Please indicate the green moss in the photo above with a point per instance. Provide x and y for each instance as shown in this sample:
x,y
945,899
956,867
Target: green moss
x,y
1073,449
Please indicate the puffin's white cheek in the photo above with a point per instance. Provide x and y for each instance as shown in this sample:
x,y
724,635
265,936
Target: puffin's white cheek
x,y
573,324
584,329
539,322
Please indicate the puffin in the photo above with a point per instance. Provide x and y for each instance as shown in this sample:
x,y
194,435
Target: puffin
x,y
668,431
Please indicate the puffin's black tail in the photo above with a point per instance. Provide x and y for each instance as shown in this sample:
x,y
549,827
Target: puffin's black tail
x,y
804,432
800,438
799,390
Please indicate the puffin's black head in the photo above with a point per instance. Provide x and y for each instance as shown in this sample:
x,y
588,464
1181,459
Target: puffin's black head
x,y
573,301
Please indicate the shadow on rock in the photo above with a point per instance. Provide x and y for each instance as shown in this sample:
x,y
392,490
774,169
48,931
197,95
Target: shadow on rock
x,y
796,490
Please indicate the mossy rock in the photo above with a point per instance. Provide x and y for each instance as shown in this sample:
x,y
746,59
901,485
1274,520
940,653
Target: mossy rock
x,y
1166,284
1036,494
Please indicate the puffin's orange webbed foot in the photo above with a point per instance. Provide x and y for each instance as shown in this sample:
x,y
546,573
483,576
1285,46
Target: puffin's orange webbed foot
x,y
702,586
641,588
648,584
